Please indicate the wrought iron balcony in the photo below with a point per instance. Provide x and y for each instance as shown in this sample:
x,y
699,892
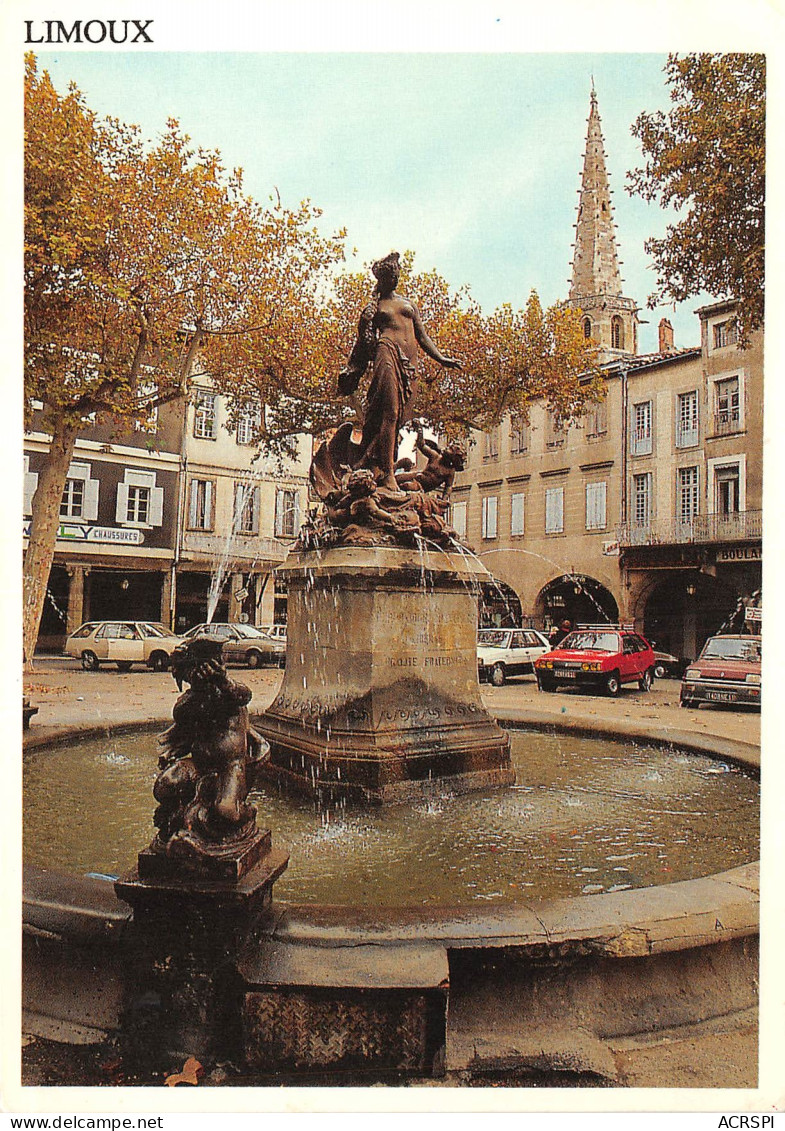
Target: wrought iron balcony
x,y
739,527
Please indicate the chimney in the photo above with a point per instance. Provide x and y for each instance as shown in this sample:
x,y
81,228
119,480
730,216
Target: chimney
x,y
666,336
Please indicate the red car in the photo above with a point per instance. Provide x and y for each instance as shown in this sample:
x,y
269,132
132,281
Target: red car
x,y
601,657
728,670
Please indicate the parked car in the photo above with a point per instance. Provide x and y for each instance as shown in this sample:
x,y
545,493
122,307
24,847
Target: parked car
x,y
122,642
277,631
601,657
728,670
502,652
667,666
243,643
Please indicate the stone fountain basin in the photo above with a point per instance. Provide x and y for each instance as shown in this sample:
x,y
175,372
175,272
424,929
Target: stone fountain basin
x,y
559,985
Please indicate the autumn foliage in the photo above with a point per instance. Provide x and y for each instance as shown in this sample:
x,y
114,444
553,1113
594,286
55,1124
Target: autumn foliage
x,y
148,265
707,158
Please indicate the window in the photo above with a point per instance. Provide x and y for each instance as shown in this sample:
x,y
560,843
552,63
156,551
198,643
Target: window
x,y
519,436
458,518
554,431
139,501
587,327
617,333
554,510
641,499
287,512
248,424
246,508
687,419
596,499
727,405
491,444
80,494
725,333
687,494
138,504
597,419
204,416
73,499
200,504
727,489
516,513
490,505
640,440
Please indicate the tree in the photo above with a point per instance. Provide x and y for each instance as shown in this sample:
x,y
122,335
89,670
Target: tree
x,y
143,265
148,266
509,358
708,156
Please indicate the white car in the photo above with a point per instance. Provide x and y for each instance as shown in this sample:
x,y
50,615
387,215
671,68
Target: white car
x,y
502,652
122,642
276,631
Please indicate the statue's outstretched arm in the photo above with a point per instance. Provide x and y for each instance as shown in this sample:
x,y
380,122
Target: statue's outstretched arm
x,y
428,346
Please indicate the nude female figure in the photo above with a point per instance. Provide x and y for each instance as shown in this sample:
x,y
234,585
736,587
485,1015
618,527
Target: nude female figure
x,y
389,332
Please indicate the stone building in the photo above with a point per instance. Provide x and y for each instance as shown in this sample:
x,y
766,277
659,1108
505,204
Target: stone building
x,y
166,520
649,508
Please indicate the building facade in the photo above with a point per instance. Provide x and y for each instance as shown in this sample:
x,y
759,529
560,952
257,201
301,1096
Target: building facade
x,y
649,509
172,522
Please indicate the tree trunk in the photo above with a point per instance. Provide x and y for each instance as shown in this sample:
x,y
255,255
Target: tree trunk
x,y
43,533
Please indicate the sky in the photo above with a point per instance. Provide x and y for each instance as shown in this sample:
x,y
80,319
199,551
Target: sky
x,y
472,161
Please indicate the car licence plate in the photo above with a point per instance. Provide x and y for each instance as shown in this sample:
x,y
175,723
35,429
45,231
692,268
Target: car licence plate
x,y
564,673
721,696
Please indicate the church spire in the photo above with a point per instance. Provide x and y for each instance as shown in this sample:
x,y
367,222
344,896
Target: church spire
x,y
596,284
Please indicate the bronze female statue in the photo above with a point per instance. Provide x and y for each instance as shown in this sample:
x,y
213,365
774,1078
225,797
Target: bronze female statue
x,y
388,335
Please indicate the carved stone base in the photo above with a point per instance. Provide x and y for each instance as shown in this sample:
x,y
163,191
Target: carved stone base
x,y
189,856
380,700
183,994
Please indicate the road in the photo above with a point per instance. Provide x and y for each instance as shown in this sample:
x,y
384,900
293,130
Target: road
x,y
66,696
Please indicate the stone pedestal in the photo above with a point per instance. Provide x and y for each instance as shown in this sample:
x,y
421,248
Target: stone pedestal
x,y
380,700
184,994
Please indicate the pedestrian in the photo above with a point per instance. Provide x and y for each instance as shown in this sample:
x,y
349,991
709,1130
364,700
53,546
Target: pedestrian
x,y
558,633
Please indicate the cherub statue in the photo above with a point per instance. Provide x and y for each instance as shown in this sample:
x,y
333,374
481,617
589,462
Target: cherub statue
x,y
439,472
202,785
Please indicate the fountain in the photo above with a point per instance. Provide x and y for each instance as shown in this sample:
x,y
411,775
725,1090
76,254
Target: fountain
x,y
380,696
379,703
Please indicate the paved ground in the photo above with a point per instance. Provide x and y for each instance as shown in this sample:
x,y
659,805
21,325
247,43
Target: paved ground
x,y
66,697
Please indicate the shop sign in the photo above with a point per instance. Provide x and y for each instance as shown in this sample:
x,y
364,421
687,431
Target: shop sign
x,y
79,532
611,549
753,616
740,553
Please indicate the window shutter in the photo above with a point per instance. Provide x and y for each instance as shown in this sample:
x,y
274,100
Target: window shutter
x,y
30,485
193,506
90,501
516,514
278,512
459,519
208,505
156,513
121,511
256,502
296,512
554,510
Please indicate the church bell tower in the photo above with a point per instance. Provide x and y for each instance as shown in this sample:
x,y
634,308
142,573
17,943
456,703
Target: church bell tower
x,y
596,285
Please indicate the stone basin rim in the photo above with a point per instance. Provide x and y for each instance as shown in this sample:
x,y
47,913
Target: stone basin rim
x,y
664,917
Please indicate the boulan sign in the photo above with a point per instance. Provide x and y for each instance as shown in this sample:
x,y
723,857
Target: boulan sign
x,y
80,532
